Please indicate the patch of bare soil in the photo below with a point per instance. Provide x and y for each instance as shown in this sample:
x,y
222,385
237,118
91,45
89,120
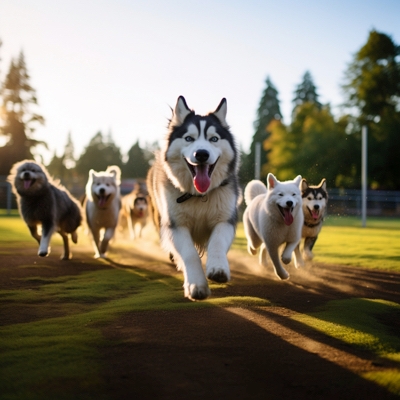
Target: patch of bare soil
x,y
226,353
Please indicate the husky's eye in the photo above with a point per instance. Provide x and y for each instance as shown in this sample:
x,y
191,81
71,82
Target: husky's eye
x,y
189,139
309,198
214,139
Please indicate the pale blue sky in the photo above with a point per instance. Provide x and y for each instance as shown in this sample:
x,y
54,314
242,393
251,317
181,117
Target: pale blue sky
x,y
118,64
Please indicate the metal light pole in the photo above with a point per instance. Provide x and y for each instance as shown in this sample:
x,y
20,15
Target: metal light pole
x,y
257,161
364,176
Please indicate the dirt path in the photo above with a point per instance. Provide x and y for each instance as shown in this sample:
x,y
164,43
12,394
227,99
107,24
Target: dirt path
x,y
230,353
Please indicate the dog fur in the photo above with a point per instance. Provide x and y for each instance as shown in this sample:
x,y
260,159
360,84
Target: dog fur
x,y
194,191
134,212
102,206
45,202
315,201
273,217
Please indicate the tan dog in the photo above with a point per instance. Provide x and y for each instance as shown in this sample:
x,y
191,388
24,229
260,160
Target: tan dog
x,y
134,213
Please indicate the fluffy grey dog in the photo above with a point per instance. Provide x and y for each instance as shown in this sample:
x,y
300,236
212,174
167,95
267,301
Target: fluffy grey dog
x,y
42,201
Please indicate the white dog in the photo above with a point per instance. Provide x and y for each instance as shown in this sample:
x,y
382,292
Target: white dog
x,y
102,206
273,217
134,213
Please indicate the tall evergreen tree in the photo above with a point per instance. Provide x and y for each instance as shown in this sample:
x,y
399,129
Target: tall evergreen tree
x,y
268,111
306,92
19,121
137,165
98,155
372,88
69,157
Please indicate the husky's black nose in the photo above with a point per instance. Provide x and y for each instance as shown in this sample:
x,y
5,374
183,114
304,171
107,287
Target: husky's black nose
x,y
102,190
289,203
27,175
202,155
316,206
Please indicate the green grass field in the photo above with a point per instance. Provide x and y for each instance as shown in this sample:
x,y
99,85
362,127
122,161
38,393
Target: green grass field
x,y
61,345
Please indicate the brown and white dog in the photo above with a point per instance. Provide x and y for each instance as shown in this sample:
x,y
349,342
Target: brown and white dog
x,y
134,212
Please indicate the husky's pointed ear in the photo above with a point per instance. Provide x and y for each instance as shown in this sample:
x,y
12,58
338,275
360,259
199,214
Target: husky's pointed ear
x,y
303,185
92,172
271,181
116,171
221,111
322,184
180,112
297,180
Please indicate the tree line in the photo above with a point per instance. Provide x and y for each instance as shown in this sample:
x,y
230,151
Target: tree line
x,y
316,143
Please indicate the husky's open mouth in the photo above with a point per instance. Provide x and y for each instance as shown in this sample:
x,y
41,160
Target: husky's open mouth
x,y
286,214
28,183
314,213
102,199
201,175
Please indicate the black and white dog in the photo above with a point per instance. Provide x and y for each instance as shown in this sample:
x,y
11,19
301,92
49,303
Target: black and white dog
x,y
315,200
46,203
194,190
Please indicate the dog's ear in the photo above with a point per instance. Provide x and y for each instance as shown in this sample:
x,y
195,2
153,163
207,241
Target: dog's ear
x,y
303,185
92,172
221,111
116,171
322,184
180,112
271,181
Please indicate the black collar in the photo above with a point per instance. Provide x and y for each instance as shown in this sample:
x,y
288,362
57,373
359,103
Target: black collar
x,y
187,196
312,225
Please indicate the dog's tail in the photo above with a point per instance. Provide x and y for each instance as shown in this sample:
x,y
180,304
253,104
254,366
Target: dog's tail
x,y
253,189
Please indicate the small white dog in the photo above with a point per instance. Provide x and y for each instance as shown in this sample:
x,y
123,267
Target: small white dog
x,y
102,206
274,216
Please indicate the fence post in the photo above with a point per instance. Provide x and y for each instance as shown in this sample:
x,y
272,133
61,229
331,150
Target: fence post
x,y
364,176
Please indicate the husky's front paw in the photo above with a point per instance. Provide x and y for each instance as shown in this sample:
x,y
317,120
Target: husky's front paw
x,y
218,275
43,253
197,292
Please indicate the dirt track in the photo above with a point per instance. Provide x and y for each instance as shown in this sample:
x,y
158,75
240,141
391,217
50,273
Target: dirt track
x,y
232,353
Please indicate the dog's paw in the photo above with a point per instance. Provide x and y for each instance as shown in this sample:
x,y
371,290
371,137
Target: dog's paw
x,y
196,292
218,275
43,253
74,237
308,255
286,259
66,257
251,250
282,274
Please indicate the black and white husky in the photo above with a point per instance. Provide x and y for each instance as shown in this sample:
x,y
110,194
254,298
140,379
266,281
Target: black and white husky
x,y
315,200
194,190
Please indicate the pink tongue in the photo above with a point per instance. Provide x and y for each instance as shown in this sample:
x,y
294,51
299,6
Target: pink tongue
x,y
102,201
288,217
315,214
201,180
27,184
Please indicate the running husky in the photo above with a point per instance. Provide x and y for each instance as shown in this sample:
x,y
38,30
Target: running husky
x,y
42,201
194,190
102,206
273,217
315,200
